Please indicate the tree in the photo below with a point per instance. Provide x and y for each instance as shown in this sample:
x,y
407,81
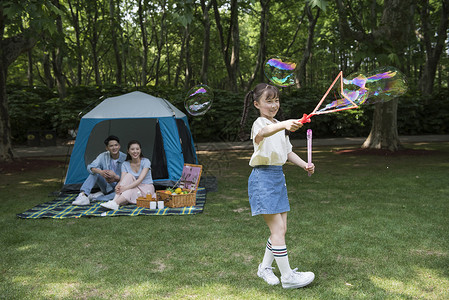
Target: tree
x,y
308,49
263,36
434,44
114,21
206,46
391,36
25,22
232,43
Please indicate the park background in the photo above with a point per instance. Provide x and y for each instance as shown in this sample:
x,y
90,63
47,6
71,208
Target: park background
x,y
371,226
61,58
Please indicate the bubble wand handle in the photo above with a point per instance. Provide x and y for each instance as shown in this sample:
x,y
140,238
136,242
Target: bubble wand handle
x,y
309,149
305,118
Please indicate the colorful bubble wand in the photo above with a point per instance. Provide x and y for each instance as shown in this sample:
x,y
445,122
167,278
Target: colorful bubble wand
x,y
382,85
306,117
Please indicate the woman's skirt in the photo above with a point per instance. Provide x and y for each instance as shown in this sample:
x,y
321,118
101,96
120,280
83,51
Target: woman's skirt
x,y
267,191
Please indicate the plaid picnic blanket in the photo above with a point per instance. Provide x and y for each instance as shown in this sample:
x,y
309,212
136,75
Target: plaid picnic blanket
x,y
61,208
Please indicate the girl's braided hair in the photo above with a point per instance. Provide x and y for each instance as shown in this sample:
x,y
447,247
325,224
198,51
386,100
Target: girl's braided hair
x,y
262,89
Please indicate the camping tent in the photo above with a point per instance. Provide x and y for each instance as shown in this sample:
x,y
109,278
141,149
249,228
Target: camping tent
x,y
160,127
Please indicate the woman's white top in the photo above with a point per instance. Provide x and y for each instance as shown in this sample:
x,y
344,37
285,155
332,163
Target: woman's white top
x,y
272,150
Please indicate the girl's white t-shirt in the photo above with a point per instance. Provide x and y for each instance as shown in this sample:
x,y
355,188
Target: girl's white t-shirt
x,y
272,150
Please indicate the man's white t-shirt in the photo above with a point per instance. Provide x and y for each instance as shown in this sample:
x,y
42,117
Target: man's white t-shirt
x,y
272,150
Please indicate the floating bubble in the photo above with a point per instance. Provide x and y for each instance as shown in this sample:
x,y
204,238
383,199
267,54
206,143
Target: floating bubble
x,y
280,70
199,100
380,85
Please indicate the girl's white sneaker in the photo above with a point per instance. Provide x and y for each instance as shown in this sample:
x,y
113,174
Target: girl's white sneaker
x,y
297,279
266,273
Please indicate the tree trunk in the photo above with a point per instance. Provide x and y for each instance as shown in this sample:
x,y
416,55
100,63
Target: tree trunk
x,y
181,56
114,22
49,81
58,56
162,39
30,68
384,132
144,43
206,44
10,49
433,53
262,52
76,27
231,63
308,50
235,49
93,39
188,69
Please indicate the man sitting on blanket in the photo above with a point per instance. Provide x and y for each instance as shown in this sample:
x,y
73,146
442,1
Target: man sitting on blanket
x,y
104,171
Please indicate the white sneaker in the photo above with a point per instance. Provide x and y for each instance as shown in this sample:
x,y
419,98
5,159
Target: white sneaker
x,y
81,199
297,279
266,273
110,205
95,195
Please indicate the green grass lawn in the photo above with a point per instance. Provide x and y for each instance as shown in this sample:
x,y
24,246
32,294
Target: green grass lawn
x,y
369,226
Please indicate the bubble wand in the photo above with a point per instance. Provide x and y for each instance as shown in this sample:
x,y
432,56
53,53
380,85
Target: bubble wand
x,y
306,117
309,149
381,85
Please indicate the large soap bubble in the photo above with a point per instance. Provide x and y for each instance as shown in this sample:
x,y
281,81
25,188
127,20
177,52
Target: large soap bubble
x,y
199,100
380,85
280,70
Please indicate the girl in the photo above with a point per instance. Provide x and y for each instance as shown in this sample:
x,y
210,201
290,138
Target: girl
x,y
136,178
267,190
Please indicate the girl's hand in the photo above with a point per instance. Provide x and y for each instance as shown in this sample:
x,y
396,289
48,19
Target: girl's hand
x,y
310,169
292,125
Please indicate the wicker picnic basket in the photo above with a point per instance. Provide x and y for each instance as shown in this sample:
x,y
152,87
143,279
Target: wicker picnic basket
x,y
180,200
191,186
144,201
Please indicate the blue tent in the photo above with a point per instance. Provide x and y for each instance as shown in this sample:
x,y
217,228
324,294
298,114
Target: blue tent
x,y
160,127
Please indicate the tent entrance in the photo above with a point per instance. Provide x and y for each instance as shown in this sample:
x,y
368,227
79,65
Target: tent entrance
x,y
146,131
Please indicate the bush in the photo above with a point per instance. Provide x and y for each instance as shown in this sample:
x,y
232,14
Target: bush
x,y
39,108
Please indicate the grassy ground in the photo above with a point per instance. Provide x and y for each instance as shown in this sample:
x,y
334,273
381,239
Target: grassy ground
x,y
369,226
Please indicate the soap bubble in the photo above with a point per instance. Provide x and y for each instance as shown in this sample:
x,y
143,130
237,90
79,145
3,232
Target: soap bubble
x,y
280,70
385,84
199,100
380,85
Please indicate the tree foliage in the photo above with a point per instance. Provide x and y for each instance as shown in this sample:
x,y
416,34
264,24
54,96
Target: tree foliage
x,y
173,45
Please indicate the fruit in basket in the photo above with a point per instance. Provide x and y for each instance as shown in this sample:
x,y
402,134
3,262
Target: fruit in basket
x,y
178,191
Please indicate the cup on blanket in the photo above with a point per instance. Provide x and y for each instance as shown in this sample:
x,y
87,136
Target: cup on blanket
x,y
160,204
152,204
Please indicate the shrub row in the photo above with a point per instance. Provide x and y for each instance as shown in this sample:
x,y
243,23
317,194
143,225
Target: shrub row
x,y
39,108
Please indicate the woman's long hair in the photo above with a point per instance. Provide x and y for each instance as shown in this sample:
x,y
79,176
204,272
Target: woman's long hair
x,y
128,157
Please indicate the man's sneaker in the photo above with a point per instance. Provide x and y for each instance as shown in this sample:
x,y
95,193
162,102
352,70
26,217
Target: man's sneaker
x,y
267,274
81,199
95,195
110,205
297,279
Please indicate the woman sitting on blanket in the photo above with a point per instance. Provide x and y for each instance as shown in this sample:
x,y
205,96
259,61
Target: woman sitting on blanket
x,y
135,178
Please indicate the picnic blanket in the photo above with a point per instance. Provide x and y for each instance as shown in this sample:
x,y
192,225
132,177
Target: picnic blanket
x,y
61,208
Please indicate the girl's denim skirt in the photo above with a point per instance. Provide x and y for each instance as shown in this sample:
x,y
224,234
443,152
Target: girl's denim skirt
x,y
267,190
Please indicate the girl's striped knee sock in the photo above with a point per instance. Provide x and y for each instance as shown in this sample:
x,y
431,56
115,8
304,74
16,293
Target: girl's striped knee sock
x,y
268,257
281,257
